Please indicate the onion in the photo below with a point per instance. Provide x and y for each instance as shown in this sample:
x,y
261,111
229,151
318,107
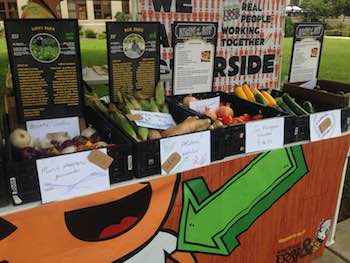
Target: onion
x,y
224,111
189,98
44,143
20,138
69,149
88,132
59,137
100,144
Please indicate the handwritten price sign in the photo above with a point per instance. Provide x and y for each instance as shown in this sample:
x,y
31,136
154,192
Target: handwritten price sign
x,y
186,152
264,135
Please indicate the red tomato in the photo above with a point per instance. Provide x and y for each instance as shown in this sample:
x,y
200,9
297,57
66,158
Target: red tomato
x,y
227,120
257,117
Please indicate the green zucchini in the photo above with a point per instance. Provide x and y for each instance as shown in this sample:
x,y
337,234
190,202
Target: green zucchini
x,y
341,93
259,98
295,107
284,106
307,105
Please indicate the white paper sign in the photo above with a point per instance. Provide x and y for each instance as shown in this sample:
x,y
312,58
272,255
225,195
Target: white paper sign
x,y
193,67
154,120
193,150
324,125
211,104
310,84
69,176
38,129
264,135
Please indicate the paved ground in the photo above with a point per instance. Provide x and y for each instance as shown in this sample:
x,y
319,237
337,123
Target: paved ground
x,y
340,251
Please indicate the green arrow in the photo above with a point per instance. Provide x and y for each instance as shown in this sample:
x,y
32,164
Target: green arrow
x,y
211,222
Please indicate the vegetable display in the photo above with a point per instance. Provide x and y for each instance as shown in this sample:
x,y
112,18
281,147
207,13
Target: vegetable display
x,y
224,116
55,143
126,103
283,103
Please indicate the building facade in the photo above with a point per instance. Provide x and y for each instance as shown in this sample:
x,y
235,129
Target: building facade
x,y
91,14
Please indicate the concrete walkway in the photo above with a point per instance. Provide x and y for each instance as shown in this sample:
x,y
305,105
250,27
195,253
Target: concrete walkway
x,y
340,251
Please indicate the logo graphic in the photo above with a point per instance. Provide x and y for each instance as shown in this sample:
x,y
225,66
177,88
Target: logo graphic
x,y
231,11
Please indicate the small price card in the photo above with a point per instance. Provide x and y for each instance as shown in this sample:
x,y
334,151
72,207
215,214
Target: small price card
x,y
153,120
325,125
38,129
186,152
264,135
211,104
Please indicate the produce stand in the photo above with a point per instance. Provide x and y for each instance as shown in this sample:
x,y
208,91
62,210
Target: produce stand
x,y
224,169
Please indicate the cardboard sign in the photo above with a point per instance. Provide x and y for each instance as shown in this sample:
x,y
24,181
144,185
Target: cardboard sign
x,y
306,52
69,176
194,55
38,129
186,152
325,125
45,64
100,159
211,104
133,57
264,135
153,120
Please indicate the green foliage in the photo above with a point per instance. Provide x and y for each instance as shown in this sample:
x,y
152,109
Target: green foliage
x,y
101,35
333,32
289,29
81,30
341,26
89,33
121,17
316,10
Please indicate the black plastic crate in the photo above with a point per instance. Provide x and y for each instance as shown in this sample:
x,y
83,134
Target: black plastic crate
x,y
23,179
230,140
146,155
323,101
345,119
296,128
4,190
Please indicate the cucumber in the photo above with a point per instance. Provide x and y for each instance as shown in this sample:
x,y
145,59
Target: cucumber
x,y
284,106
259,98
307,105
295,107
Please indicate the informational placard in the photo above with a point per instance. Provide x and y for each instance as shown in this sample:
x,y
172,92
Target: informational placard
x,y
306,52
133,57
39,129
250,33
325,125
154,120
45,64
211,104
194,54
69,176
186,152
264,135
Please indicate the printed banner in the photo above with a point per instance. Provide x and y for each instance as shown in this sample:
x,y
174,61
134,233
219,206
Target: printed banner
x,y
274,207
249,37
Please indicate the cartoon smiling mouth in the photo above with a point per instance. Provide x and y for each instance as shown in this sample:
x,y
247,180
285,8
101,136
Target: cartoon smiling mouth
x,y
109,220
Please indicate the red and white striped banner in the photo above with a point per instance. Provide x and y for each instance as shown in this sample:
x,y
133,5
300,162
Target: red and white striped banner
x,y
249,37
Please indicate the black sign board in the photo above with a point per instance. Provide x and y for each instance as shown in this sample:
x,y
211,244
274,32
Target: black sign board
x,y
306,52
133,57
46,67
194,45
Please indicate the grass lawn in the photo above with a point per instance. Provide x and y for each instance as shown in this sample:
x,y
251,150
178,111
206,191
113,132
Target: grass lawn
x,y
334,62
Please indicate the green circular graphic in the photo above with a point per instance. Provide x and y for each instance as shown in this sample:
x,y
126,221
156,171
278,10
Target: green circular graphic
x,y
44,48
